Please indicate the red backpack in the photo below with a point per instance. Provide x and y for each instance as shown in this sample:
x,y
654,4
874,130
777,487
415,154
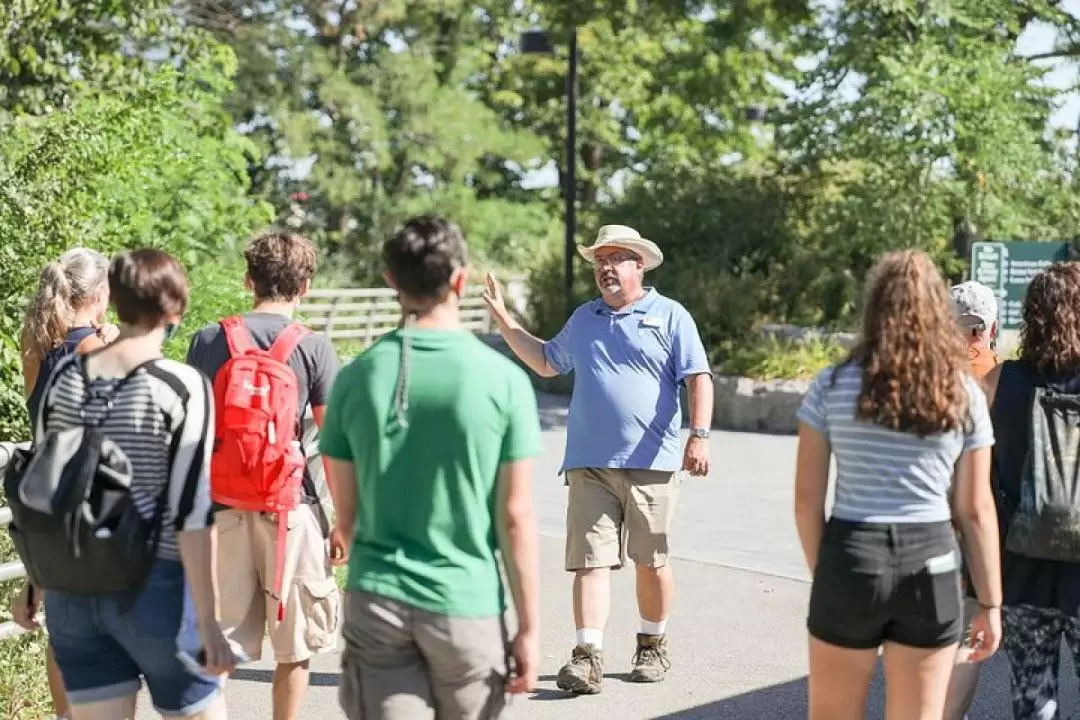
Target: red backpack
x,y
257,463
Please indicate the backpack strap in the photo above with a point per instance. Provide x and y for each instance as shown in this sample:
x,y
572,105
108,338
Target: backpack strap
x,y
237,336
287,342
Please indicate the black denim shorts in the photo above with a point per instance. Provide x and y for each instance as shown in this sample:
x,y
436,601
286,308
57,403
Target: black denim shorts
x,y
877,583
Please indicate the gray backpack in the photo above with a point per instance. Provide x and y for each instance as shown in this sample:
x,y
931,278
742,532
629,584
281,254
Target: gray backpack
x,y
1046,522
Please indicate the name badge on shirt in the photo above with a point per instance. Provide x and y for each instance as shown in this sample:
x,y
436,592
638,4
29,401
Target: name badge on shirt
x,y
650,322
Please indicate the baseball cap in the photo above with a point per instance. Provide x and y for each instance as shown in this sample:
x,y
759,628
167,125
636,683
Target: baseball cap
x,y
975,304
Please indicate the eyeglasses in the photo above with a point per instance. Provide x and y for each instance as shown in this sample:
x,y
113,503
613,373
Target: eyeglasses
x,y
613,259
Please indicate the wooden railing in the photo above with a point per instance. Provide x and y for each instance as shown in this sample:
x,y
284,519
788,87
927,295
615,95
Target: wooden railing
x,y
363,315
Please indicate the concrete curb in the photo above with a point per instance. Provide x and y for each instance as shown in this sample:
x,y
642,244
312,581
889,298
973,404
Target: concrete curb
x,y
741,403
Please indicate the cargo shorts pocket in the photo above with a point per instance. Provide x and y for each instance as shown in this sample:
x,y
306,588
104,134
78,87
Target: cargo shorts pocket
x,y
320,601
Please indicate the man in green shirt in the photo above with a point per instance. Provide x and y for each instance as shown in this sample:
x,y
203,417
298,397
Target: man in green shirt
x,y
428,438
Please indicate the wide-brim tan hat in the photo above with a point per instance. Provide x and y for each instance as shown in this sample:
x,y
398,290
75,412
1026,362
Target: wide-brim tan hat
x,y
627,238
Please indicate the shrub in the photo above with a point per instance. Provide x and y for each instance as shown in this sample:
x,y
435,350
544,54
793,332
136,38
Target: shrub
x,y
162,168
772,359
547,293
217,290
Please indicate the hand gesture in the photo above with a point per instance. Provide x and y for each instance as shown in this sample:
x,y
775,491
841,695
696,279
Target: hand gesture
x,y
220,659
493,296
696,457
526,669
108,332
25,606
985,634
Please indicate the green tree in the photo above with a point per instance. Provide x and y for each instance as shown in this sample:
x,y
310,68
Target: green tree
x,y
662,84
924,118
51,50
378,101
161,167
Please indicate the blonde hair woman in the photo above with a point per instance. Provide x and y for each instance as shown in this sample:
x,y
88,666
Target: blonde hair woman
x,y
65,315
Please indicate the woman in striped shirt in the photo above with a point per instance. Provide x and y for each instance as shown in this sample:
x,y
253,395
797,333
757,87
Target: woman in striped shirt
x,y
159,413
901,415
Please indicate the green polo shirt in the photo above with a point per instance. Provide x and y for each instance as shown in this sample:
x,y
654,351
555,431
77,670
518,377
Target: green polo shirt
x,y
425,529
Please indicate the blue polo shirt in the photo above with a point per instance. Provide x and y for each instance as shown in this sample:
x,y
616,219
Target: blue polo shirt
x,y
628,366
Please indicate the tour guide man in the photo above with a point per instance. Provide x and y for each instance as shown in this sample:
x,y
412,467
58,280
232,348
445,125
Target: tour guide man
x,y
630,349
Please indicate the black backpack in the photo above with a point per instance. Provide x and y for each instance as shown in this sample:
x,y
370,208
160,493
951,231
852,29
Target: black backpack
x,y
1046,520
74,521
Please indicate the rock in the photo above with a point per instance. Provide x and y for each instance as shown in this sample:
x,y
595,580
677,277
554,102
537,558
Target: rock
x,y
757,405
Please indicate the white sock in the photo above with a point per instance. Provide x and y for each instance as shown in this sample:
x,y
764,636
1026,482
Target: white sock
x,y
648,627
586,636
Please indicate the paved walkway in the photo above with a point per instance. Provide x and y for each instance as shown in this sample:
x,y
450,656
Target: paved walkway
x,y
737,636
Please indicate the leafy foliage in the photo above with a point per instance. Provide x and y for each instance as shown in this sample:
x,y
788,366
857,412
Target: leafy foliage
x,y
161,168
380,103
773,359
53,50
923,122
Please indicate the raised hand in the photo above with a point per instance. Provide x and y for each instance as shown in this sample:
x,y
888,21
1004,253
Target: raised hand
x,y
493,296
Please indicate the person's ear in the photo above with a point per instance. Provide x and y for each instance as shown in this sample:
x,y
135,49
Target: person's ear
x,y
389,279
459,279
248,284
305,288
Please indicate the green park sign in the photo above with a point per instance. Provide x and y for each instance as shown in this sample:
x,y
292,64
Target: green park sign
x,y
1008,267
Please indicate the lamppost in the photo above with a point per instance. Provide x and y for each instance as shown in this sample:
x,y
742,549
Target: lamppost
x,y
536,42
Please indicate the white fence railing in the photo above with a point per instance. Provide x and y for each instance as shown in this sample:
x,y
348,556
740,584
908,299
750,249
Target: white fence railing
x,y
12,569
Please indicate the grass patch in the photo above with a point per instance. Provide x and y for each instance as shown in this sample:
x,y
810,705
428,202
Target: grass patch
x,y
773,359
24,691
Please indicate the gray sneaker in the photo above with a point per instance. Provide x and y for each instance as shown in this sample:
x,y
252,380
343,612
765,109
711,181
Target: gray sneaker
x,y
584,673
651,661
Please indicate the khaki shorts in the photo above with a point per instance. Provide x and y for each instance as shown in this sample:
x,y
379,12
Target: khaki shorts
x,y
403,663
246,554
613,513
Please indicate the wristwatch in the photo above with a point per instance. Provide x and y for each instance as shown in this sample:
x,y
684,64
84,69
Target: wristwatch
x,y
702,433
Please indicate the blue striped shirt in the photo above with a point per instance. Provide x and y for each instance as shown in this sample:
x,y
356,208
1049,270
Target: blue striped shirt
x,y
885,476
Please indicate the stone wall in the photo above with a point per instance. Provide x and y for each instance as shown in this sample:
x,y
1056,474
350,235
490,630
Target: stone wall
x,y
757,405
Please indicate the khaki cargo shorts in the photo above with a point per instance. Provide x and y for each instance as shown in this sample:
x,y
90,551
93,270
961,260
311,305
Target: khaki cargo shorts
x,y
403,663
612,513
246,554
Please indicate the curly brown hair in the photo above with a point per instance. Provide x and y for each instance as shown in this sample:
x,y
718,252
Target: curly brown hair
x,y
1050,332
280,264
912,357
